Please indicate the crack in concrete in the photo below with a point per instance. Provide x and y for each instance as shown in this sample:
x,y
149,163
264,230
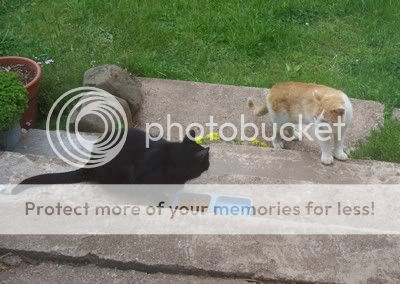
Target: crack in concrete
x,y
92,259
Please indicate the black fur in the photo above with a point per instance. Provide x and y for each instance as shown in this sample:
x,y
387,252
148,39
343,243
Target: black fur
x,y
162,163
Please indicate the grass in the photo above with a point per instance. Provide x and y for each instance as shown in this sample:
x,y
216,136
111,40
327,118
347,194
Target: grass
x,y
383,144
353,45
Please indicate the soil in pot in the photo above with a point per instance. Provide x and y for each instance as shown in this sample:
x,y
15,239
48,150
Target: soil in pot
x,y
25,73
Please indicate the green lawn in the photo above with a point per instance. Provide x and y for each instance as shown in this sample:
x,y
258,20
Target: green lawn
x,y
383,144
353,45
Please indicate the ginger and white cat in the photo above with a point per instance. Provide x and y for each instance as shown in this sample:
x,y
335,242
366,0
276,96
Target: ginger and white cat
x,y
316,104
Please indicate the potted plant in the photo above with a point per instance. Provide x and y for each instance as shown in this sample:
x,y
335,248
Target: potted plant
x,y
29,73
13,103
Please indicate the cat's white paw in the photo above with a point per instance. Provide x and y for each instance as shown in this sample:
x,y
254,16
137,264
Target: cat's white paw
x,y
340,155
277,144
327,159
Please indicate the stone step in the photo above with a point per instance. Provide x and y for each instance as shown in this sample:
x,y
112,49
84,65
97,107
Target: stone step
x,y
329,259
189,102
36,142
49,272
229,164
301,258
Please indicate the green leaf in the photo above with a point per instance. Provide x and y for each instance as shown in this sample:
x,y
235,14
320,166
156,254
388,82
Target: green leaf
x,y
297,68
13,99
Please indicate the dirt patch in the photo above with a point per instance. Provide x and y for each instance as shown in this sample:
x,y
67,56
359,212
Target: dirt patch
x,y
25,73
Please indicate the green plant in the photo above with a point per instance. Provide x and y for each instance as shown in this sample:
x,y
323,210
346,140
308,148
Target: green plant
x,y
383,144
13,99
259,143
210,137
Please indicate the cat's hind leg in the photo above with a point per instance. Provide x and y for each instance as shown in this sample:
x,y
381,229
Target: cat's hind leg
x,y
340,130
339,137
277,121
325,142
277,141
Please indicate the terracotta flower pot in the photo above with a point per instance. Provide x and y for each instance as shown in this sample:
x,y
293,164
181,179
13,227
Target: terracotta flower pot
x,y
29,117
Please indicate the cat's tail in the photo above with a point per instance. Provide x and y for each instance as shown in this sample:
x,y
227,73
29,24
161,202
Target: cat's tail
x,y
258,110
57,178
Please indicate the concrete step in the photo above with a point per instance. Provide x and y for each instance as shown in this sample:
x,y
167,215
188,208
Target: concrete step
x,y
285,258
50,272
301,258
189,102
290,166
35,141
230,164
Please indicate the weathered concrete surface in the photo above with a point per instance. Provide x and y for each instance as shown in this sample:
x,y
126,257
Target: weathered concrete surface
x,y
14,167
292,167
396,113
236,164
189,102
338,259
63,273
35,142
328,259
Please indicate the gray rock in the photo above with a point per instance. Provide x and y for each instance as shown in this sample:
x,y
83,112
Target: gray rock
x,y
116,81
94,123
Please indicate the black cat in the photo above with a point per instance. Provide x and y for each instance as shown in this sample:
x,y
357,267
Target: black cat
x,y
162,162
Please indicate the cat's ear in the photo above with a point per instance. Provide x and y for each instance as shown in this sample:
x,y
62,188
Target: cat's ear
x,y
318,96
190,137
339,111
203,154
